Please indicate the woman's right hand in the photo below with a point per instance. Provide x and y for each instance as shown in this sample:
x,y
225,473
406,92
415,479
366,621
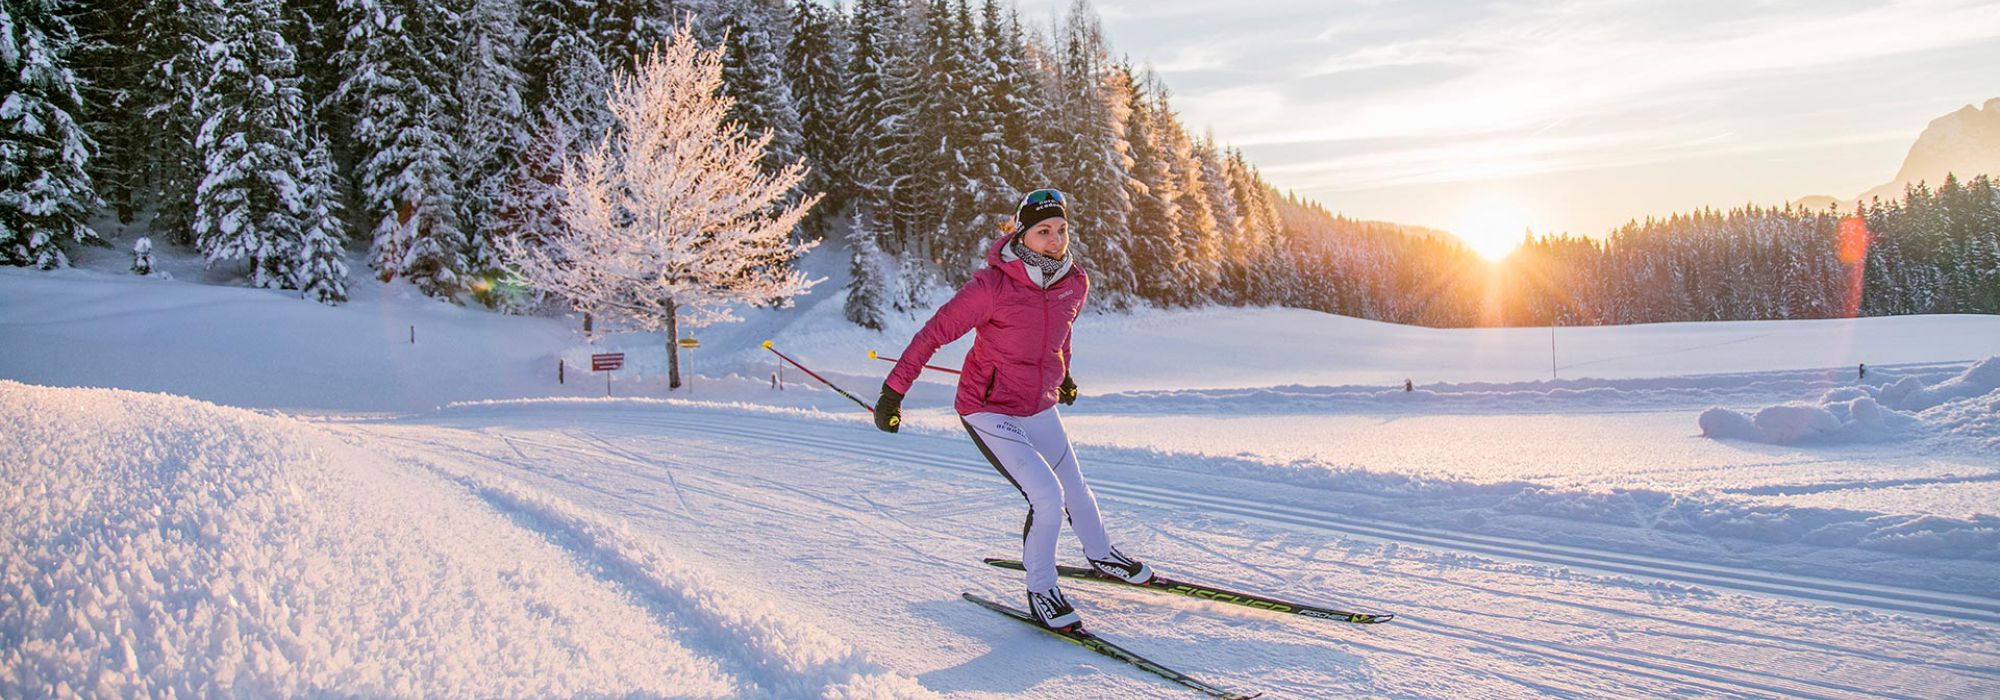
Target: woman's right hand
x,y
889,410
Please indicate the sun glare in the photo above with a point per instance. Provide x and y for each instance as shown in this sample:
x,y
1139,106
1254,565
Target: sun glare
x,y
1492,227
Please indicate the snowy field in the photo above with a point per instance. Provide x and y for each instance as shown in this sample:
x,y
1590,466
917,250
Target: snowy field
x,y
222,491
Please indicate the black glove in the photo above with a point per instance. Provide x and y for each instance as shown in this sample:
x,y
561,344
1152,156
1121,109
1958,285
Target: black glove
x,y
1067,392
889,410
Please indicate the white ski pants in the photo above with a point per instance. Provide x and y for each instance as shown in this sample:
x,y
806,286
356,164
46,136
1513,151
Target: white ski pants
x,y
1034,454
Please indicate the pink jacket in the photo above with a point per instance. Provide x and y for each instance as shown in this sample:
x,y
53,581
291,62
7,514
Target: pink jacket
x,y
1021,353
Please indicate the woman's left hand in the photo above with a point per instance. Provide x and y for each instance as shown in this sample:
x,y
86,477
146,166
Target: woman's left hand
x,y
1067,392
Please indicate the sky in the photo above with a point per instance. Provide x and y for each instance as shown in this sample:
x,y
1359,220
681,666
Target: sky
x,y
1490,118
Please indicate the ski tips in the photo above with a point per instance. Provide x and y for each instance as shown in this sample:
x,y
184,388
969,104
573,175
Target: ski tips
x,y
871,354
767,345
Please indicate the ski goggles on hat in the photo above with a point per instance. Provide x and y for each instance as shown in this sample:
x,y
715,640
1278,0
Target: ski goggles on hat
x,y
1040,196
1039,205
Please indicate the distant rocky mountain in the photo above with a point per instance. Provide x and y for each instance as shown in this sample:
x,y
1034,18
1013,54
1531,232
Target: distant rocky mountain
x,y
1818,202
1965,142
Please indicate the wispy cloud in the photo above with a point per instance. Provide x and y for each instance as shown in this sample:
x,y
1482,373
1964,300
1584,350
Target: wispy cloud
x,y
1361,95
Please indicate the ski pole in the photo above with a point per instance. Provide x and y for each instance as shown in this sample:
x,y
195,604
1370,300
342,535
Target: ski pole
x,y
843,392
873,356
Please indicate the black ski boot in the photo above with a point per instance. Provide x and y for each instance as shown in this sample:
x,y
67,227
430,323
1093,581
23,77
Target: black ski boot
x,y
1123,568
1052,610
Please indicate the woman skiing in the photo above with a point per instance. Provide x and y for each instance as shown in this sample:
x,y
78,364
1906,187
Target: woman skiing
x,y
1023,305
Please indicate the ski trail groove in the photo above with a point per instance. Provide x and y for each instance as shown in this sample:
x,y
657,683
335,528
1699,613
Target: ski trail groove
x,y
1647,671
636,458
1846,594
736,645
667,608
1714,680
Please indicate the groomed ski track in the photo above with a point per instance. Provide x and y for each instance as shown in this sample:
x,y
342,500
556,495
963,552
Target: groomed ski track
x,y
874,536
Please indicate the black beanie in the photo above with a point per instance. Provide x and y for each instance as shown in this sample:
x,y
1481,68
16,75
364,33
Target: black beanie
x,y
1048,208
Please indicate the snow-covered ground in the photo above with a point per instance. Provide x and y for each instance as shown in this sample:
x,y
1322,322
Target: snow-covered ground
x,y
443,518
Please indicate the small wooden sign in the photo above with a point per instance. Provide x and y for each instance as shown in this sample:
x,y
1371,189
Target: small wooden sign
x,y
605,362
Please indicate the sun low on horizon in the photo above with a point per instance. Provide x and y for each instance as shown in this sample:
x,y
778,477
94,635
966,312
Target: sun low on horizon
x,y
1492,226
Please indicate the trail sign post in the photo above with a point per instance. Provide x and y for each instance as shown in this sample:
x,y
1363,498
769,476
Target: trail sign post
x,y
606,362
689,344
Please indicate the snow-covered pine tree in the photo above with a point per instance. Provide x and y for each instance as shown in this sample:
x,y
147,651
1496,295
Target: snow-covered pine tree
x,y
1199,250
892,153
932,193
816,65
1272,249
552,31
322,266
247,205
45,188
111,82
1983,246
989,197
142,256
1155,238
312,28
530,206
1092,157
1923,234
172,35
1246,248
870,115
405,136
490,91
625,30
1015,98
673,212
1228,224
753,72
566,81
869,273
1880,295
1963,263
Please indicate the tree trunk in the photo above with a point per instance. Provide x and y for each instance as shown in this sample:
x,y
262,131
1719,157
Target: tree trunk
x,y
673,345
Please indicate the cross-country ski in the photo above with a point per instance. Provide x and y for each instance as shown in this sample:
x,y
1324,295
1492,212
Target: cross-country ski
x,y
1093,642
1216,594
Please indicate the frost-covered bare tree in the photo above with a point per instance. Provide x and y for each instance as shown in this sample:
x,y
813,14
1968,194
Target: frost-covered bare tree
x,y
671,213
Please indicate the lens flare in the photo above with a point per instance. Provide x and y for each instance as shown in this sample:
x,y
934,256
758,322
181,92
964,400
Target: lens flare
x,y
1853,253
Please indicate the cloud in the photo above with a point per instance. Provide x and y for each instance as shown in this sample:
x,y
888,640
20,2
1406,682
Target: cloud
x,y
1525,68
1362,94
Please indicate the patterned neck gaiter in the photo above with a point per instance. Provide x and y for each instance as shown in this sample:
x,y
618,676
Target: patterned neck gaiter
x,y
1050,266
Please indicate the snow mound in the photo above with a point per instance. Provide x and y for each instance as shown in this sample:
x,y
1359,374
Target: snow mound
x,y
1963,406
1907,394
156,546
